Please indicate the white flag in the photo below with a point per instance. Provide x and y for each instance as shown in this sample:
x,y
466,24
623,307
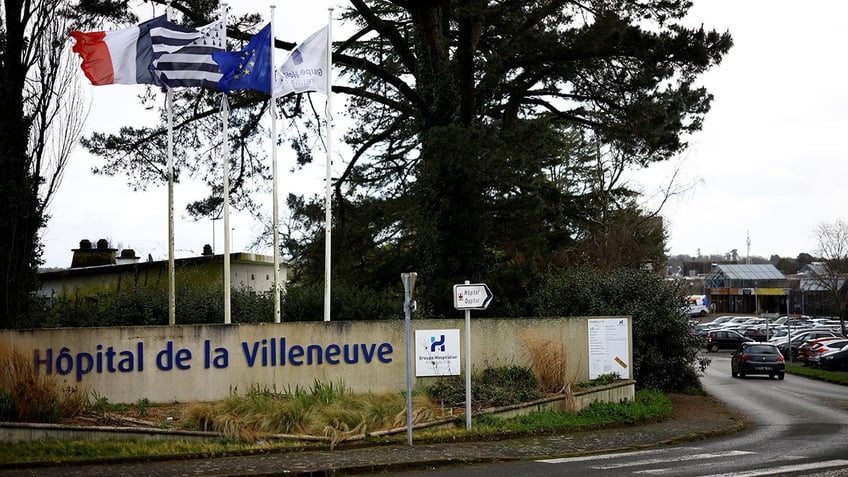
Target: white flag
x,y
306,67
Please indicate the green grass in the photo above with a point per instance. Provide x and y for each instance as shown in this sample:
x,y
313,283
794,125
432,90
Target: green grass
x,y
648,406
62,451
816,373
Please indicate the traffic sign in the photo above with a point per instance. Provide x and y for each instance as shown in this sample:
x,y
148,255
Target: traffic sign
x,y
471,296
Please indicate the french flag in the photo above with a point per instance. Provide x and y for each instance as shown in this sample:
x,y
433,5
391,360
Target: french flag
x,y
118,56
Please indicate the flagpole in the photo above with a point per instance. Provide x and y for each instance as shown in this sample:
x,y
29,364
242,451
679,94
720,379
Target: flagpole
x,y
172,302
225,159
172,315
275,221
328,225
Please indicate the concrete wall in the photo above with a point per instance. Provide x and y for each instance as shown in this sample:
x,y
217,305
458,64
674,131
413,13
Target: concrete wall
x,y
205,362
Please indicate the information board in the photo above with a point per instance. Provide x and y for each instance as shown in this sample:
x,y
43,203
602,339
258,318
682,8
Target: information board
x,y
609,347
437,353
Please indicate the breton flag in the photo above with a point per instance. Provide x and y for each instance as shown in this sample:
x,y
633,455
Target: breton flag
x,y
249,68
305,69
183,56
118,56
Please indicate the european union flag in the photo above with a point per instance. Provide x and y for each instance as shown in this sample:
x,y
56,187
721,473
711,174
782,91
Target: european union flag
x,y
249,68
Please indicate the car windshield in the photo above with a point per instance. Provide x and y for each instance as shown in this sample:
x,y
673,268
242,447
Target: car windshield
x,y
761,349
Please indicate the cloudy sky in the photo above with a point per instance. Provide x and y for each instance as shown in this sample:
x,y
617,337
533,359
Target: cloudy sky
x,y
769,164
771,159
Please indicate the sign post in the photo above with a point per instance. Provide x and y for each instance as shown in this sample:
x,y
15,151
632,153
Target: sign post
x,y
408,280
469,297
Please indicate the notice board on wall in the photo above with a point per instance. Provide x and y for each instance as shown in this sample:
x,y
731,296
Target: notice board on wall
x,y
609,347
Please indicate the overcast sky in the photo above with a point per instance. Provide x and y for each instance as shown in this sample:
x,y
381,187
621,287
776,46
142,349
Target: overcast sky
x,y
769,164
771,158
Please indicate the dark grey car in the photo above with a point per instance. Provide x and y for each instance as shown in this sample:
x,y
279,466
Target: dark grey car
x,y
757,358
724,339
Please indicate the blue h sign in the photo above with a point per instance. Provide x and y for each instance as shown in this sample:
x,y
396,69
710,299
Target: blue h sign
x,y
437,344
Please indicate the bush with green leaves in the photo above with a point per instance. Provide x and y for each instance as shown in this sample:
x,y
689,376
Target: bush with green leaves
x,y
142,306
306,303
500,386
665,353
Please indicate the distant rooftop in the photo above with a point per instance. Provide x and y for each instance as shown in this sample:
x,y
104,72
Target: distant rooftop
x,y
748,271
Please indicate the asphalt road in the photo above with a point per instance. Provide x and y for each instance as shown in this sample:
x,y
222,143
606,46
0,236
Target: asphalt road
x,y
797,427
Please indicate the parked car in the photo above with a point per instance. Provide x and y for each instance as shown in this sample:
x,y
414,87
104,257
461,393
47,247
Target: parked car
x,y
790,348
758,322
736,321
700,331
795,320
719,320
828,323
821,349
724,339
755,333
777,334
834,359
757,358
820,345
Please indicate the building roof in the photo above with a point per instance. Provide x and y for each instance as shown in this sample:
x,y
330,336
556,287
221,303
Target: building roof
x,y
748,271
821,284
235,257
745,276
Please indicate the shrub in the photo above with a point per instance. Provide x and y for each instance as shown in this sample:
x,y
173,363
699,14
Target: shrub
x,y
647,405
502,386
306,303
664,352
141,306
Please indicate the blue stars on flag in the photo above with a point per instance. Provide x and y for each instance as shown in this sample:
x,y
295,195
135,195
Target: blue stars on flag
x,y
249,68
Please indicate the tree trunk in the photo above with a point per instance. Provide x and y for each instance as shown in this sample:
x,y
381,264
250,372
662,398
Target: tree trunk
x,y
20,219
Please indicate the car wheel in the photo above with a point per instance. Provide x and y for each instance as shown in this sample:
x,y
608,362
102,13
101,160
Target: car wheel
x,y
714,348
703,313
734,374
741,374
780,376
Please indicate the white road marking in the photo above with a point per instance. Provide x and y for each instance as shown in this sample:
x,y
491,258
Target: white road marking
x,y
564,460
682,458
659,459
676,470
786,468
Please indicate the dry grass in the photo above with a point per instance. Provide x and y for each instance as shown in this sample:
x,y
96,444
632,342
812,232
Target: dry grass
x,y
549,364
26,395
327,411
549,361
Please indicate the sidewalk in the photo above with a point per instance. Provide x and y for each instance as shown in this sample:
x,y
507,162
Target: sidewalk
x,y
693,418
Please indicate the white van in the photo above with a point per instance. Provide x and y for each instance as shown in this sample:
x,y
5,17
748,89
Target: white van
x,y
697,305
